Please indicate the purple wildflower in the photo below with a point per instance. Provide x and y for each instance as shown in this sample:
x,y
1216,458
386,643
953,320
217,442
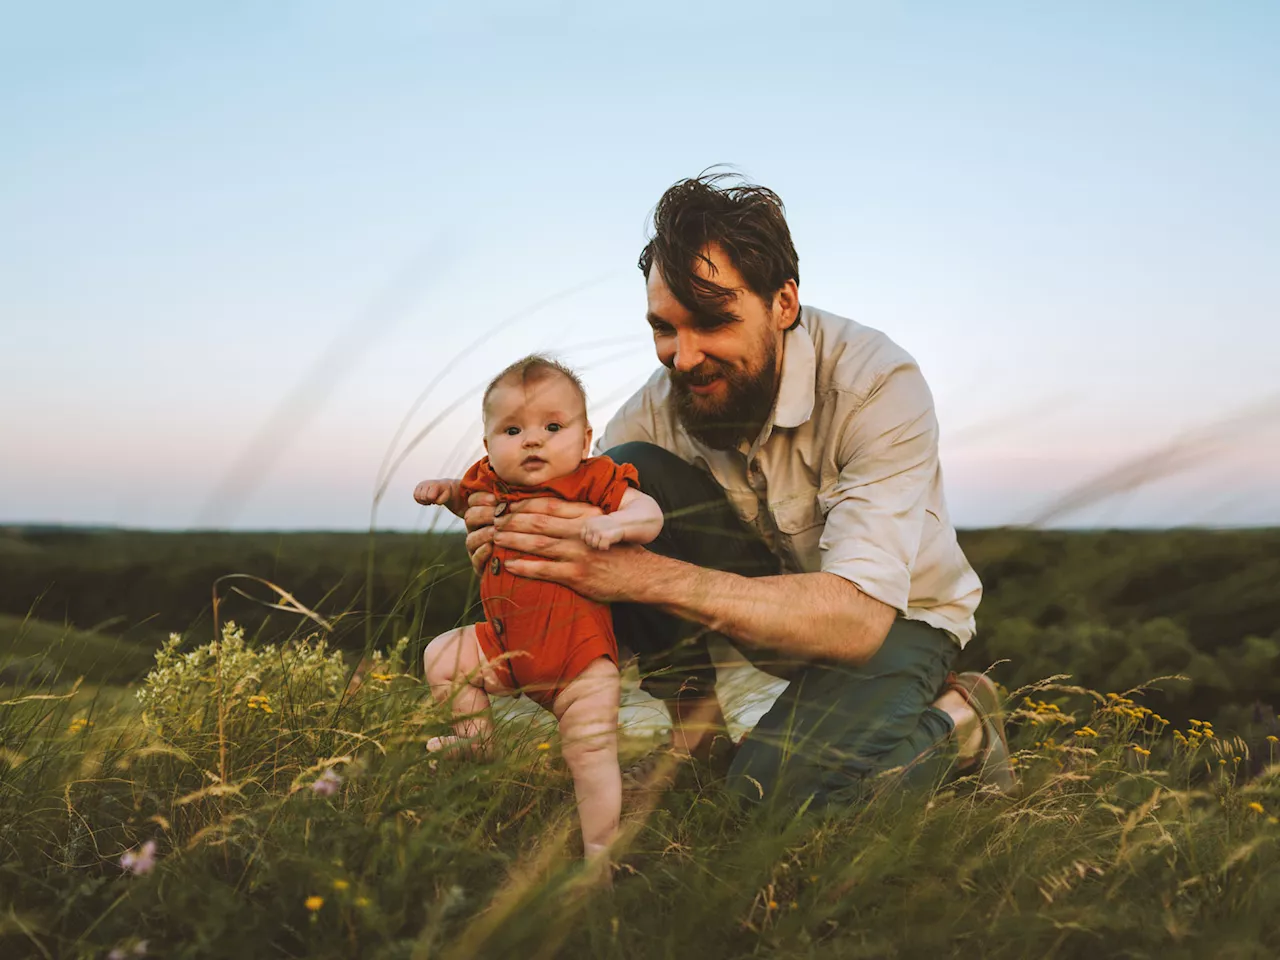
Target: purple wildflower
x,y
139,861
326,785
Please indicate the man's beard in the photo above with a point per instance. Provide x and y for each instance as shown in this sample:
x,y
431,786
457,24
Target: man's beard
x,y
740,416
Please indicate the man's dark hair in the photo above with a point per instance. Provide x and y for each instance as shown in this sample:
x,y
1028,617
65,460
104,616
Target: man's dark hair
x,y
746,220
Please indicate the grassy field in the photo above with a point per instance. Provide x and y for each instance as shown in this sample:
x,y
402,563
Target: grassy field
x,y
266,807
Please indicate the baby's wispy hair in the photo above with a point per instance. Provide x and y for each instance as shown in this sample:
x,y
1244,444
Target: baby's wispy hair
x,y
530,369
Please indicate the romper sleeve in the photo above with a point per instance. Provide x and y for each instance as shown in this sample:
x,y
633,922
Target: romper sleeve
x,y
478,479
607,482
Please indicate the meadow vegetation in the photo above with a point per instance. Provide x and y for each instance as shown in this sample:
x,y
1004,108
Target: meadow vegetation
x,y
262,790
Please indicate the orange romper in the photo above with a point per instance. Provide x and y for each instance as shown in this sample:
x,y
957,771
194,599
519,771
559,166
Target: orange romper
x,y
551,632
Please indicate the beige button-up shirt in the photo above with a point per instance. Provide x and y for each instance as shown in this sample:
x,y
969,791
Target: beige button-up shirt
x,y
844,478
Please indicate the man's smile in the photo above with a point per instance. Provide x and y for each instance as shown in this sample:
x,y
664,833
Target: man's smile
x,y
704,387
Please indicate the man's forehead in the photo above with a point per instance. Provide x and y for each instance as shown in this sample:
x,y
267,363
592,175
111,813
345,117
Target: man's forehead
x,y
663,304
720,270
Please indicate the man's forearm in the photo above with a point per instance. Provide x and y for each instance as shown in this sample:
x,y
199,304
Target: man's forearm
x,y
809,616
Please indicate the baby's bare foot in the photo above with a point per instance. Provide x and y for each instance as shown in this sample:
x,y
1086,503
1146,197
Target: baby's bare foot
x,y
452,746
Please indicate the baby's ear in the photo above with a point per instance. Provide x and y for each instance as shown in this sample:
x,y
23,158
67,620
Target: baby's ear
x,y
586,443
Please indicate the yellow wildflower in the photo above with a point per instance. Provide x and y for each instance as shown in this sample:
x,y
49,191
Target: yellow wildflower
x,y
362,902
1256,807
341,885
773,904
1086,731
544,746
314,903
1273,739
1141,751
1196,723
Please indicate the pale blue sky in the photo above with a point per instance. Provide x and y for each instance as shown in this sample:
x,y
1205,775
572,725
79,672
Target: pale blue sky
x,y
1067,212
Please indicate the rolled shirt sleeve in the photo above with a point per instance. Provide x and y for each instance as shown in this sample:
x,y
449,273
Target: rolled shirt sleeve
x,y
877,509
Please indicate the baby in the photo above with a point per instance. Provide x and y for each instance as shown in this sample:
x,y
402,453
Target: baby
x,y
538,638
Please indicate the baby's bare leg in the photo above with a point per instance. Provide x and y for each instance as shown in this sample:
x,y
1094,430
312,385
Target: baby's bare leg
x,y
456,674
588,713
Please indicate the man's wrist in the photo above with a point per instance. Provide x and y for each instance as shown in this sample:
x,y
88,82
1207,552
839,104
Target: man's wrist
x,y
656,579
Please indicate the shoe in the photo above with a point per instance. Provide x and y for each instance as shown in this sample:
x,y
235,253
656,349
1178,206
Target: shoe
x,y
994,768
654,771
664,768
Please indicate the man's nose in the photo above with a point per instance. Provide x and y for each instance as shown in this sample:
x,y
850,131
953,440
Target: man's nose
x,y
688,352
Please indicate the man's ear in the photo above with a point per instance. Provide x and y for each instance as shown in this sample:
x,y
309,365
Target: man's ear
x,y
787,304
485,441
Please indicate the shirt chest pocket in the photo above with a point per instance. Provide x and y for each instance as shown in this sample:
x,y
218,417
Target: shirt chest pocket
x,y
800,520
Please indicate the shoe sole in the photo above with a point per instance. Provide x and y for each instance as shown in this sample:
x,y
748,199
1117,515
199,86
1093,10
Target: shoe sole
x,y
981,694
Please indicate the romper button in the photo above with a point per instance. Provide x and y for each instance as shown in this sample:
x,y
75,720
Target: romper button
x,y
500,509
495,567
497,626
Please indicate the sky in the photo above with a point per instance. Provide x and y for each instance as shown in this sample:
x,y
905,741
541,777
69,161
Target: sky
x,y
238,241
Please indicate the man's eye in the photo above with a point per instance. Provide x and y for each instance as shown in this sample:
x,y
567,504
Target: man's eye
x,y
512,431
553,427
661,330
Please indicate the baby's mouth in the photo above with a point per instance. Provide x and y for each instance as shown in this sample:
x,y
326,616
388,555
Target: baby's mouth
x,y
532,462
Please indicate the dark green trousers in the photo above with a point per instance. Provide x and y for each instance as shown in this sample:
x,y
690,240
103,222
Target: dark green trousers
x,y
836,729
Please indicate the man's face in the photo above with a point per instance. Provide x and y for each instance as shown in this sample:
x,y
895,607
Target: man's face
x,y
724,367
537,431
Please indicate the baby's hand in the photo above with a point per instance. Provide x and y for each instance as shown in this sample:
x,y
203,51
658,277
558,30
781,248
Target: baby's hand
x,y
602,532
433,492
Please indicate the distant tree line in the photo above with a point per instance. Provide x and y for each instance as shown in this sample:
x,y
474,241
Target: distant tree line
x,y
1111,608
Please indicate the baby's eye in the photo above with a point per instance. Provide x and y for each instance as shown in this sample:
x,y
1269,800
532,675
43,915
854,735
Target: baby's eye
x,y
553,427
511,431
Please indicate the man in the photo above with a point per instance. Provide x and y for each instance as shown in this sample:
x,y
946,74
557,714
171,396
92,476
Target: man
x,y
795,455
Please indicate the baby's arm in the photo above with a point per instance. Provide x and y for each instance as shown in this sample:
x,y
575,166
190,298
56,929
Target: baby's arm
x,y
445,493
638,519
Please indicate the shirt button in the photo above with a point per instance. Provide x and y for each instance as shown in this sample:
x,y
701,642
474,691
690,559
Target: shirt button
x,y
500,509
495,566
498,628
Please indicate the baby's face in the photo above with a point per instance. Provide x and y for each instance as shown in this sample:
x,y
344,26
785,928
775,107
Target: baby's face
x,y
536,432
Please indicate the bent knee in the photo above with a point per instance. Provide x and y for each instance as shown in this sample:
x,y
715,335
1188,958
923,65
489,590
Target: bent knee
x,y
649,459
445,657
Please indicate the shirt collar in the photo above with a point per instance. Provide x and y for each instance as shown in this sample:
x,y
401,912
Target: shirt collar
x,y
798,382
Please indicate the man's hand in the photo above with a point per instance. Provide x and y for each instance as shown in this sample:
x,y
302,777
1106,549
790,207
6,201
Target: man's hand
x,y
479,520
547,517
602,532
552,533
